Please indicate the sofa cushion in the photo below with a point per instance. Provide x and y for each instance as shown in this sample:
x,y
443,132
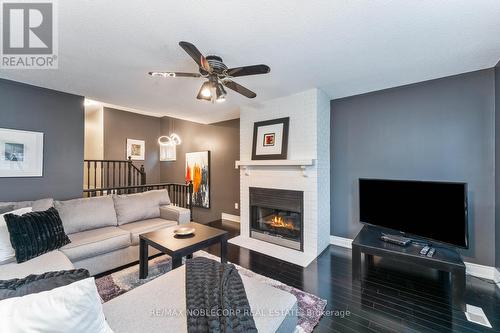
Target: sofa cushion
x,y
94,242
140,206
35,283
52,261
86,213
42,204
35,233
141,227
37,205
16,204
6,209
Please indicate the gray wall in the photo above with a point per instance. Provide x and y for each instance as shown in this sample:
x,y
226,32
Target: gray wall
x,y
223,141
122,125
437,130
60,117
497,163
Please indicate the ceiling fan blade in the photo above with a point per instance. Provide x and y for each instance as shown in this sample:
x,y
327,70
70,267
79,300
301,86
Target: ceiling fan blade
x,y
196,55
239,89
248,70
174,74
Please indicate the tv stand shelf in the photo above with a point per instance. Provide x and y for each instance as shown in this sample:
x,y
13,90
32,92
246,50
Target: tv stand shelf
x,y
445,259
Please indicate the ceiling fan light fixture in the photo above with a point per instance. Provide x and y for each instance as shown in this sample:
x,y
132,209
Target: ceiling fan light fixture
x,y
220,93
205,91
218,74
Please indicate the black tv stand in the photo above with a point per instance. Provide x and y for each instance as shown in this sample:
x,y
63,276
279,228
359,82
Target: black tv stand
x,y
444,259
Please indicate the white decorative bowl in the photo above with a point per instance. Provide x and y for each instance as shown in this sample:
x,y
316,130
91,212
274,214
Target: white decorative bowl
x,y
184,231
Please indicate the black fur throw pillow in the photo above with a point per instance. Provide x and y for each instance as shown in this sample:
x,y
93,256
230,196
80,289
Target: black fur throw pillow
x,y
42,282
36,233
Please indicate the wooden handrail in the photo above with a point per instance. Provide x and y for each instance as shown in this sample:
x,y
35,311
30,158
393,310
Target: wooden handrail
x,y
112,173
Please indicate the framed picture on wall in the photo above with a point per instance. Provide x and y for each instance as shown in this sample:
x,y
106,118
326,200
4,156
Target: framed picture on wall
x,y
270,139
136,149
21,153
198,171
168,152
168,148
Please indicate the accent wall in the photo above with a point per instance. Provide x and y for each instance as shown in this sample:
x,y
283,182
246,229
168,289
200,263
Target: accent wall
x,y
122,125
60,117
223,141
442,130
497,165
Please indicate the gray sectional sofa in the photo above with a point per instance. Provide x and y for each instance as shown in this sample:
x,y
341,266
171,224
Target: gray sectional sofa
x,y
104,231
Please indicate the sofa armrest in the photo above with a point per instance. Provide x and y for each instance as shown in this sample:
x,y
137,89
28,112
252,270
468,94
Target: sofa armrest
x,y
174,213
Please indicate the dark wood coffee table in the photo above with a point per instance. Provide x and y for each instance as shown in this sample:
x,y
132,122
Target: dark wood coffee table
x,y
167,242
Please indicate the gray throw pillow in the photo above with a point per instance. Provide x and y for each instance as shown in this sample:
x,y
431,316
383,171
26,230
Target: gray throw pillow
x,y
42,204
37,283
140,206
86,213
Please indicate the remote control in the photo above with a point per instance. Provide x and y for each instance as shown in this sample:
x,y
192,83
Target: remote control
x,y
431,253
424,250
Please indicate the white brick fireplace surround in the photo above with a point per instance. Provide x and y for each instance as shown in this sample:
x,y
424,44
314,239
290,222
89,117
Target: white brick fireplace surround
x,y
309,139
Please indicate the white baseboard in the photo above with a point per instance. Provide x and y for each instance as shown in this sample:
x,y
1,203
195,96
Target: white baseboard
x,y
341,241
481,271
230,217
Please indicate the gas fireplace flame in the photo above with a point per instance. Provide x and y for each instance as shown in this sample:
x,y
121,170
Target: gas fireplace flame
x,y
279,222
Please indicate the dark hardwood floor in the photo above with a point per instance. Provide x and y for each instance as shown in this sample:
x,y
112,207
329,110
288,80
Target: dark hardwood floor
x,y
391,297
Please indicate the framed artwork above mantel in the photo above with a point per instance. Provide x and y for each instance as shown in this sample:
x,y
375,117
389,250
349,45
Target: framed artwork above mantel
x,y
270,139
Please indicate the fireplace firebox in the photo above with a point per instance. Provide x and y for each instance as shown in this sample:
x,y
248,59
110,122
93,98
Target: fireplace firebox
x,y
276,216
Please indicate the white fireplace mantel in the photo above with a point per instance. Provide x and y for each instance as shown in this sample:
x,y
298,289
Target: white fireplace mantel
x,y
302,164
307,170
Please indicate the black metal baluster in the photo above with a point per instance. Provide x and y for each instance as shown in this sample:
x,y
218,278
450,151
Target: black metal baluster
x,y
114,174
95,174
102,176
107,174
88,175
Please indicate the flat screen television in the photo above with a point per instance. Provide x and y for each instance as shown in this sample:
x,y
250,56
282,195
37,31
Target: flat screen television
x,y
432,210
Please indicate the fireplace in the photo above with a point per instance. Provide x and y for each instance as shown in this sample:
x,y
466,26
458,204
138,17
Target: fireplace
x,y
276,216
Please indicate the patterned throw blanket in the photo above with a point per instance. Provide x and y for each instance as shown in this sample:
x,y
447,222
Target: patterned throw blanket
x,y
216,299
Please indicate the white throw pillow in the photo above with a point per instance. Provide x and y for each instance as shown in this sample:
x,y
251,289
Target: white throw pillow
x,y
73,308
7,253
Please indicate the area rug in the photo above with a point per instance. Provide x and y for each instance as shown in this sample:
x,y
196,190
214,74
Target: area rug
x,y
310,307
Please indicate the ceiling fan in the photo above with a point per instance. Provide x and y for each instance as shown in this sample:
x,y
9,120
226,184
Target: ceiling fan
x,y
217,74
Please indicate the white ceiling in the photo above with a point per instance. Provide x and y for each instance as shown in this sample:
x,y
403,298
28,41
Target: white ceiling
x,y
345,47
